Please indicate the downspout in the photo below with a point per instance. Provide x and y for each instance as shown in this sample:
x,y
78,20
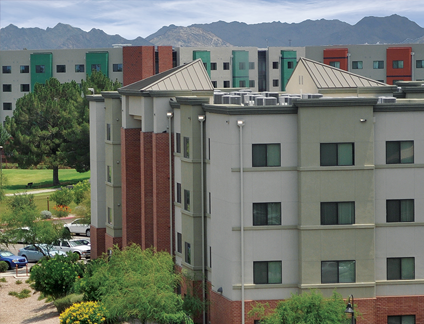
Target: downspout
x,y
413,66
240,124
169,114
201,119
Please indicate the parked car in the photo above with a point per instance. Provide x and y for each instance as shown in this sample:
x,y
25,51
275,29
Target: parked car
x,y
34,253
74,246
78,226
12,260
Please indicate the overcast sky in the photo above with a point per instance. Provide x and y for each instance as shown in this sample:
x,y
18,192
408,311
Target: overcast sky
x,y
132,18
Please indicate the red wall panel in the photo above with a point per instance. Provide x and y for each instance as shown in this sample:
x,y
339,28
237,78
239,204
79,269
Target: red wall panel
x,y
338,55
398,54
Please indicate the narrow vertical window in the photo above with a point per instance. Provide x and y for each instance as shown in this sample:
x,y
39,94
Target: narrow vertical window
x,y
187,200
186,147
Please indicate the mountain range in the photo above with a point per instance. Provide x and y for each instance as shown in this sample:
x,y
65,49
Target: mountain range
x,y
369,30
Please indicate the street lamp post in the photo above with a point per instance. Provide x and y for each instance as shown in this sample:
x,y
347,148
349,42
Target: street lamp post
x,y
350,308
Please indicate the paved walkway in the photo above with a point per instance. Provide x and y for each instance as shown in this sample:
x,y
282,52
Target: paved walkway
x,y
33,192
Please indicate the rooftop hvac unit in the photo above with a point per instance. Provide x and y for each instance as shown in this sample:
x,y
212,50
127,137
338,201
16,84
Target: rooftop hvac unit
x,y
386,100
260,101
246,90
226,99
217,97
270,101
288,99
311,95
272,94
235,100
250,97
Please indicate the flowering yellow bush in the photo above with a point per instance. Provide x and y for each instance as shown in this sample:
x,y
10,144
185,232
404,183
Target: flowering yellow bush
x,y
61,210
83,313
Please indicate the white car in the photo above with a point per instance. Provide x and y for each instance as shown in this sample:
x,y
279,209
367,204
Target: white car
x,y
74,246
78,227
32,253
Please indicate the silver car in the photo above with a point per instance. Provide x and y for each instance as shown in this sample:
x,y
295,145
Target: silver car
x,y
74,246
35,253
78,227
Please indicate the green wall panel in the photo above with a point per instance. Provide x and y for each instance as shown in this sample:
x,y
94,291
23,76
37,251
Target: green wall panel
x,y
41,68
206,59
98,61
288,63
240,68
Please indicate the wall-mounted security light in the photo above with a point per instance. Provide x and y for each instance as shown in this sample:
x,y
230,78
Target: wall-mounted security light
x,y
169,114
201,118
362,120
240,123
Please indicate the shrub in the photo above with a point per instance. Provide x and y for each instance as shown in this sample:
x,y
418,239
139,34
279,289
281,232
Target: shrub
x,y
80,190
80,211
25,293
45,214
20,202
62,197
61,211
56,276
65,302
3,266
3,279
18,282
83,313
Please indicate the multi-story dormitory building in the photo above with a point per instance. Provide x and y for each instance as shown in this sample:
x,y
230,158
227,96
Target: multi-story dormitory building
x,y
320,188
228,67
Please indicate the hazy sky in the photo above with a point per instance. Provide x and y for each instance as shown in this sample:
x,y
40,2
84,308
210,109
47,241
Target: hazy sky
x,y
132,18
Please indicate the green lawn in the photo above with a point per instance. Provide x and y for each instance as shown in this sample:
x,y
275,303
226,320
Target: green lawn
x,y
15,180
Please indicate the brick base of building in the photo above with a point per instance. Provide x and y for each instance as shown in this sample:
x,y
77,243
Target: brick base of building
x,y
97,238
111,241
373,310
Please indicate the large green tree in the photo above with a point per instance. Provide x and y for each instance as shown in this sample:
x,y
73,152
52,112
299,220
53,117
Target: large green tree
x,y
51,124
306,308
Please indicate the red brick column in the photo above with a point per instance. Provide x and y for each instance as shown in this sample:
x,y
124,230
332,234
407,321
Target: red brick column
x,y
138,63
161,221
111,241
165,58
130,177
97,238
146,178
398,305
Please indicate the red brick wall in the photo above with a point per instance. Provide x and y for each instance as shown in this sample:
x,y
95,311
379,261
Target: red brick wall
x,y
138,63
131,191
111,241
165,58
146,176
97,238
161,221
399,305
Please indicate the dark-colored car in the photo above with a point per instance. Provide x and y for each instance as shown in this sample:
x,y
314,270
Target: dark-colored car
x,y
12,260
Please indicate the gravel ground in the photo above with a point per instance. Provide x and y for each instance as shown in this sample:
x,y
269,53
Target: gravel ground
x,y
24,311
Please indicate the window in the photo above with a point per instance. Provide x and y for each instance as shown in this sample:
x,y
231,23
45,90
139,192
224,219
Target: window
x,y
275,65
187,147
210,203
275,83
109,215
266,155
187,200
117,67
24,69
226,65
337,213
7,106
251,83
267,272
357,65
242,83
419,64
209,148
267,214
226,84
40,69
24,87
213,66
290,65
399,152
400,268
378,65
335,64
337,271
187,252
332,154
7,69
79,68
108,132
215,84
210,257
109,174
179,243
251,65
402,319
398,64
178,192
178,142
400,210
242,65
96,67
7,88
60,68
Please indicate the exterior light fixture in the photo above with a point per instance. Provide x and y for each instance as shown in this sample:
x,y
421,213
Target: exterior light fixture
x,y
362,120
350,308
240,123
169,114
220,290
201,118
